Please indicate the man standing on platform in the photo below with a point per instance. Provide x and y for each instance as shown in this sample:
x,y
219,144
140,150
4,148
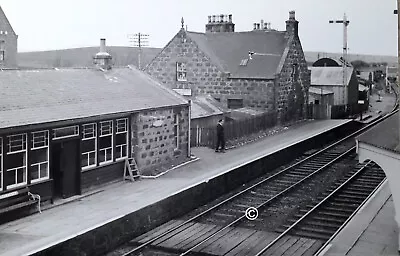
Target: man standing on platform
x,y
220,137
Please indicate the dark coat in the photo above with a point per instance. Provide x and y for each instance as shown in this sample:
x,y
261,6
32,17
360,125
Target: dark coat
x,y
220,130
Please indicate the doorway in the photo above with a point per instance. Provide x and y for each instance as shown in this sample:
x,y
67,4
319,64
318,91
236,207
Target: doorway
x,y
66,168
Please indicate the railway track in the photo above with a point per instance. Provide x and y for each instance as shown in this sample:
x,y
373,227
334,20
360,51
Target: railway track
x,y
224,230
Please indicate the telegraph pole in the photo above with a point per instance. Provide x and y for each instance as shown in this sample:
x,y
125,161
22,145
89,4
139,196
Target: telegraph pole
x,y
139,40
345,23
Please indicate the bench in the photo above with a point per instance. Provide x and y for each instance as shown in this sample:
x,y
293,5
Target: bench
x,y
17,204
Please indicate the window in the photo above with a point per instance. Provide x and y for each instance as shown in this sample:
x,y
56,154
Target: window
x,y
39,156
2,50
180,71
16,163
105,142
121,140
176,130
89,142
66,132
244,62
235,103
1,164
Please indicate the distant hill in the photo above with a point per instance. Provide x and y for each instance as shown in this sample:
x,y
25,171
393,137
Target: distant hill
x,y
122,56
83,57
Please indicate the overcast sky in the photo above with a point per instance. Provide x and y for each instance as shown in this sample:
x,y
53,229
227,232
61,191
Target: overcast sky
x,y
59,24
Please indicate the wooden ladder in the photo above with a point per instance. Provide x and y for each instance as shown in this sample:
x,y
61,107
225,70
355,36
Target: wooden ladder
x,y
131,171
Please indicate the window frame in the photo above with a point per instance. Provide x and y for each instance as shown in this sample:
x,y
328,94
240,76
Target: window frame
x,y
180,70
76,132
176,128
24,167
94,136
39,164
117,132
109,134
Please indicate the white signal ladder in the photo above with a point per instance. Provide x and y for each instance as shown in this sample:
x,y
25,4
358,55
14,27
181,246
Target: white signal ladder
x,y
131,171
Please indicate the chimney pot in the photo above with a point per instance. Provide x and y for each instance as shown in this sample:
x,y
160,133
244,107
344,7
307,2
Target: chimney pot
x,y
221,18
102,45
292,15
213,18
262,24
230,18
255,26
209,19
258,25
266,25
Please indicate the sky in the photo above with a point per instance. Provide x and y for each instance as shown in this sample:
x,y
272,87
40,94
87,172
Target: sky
x,y
60,24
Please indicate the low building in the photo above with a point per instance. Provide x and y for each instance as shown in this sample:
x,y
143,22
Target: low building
x,y
331,79
206,112
63,131
319,96
263,68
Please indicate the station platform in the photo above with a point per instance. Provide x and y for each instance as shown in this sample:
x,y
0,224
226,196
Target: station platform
x,y
371,232
55,225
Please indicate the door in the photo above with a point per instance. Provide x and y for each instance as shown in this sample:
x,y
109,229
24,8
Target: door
x,y
66,168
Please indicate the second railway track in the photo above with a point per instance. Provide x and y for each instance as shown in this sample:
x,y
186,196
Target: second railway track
x,y
222,229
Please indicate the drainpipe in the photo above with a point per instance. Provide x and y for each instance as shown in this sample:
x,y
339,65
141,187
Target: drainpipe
x,y
190,116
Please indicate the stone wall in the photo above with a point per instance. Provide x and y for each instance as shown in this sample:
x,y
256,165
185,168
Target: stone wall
x,y
154,146
203,77
10,49
292,90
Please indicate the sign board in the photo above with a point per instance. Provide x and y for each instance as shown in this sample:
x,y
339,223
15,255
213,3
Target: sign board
x,y
158,123
360,102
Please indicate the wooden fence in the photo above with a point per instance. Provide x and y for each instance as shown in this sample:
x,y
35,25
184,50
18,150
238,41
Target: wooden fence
x,y
233,130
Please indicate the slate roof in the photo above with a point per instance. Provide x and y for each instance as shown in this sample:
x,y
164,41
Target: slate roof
x,y
227,50
316,90
329,75
50,95
384,135
204,106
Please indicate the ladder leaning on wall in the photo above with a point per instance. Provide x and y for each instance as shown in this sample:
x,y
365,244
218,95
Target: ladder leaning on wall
x,y
131,171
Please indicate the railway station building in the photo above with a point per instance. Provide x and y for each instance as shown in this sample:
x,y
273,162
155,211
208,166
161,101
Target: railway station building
x,y
263,68
65,131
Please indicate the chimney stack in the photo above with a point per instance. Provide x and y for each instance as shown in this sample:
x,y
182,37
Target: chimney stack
x,y
220,23
103,59
292,25
103,45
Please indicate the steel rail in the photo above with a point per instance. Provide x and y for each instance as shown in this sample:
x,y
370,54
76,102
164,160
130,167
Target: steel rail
x,y
272,198
261,182
312,210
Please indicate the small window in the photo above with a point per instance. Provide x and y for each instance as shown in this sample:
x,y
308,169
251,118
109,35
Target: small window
x,y
121,140
88,146
235,103
65,132
176,130
105,142
244,62
181,71
39,156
